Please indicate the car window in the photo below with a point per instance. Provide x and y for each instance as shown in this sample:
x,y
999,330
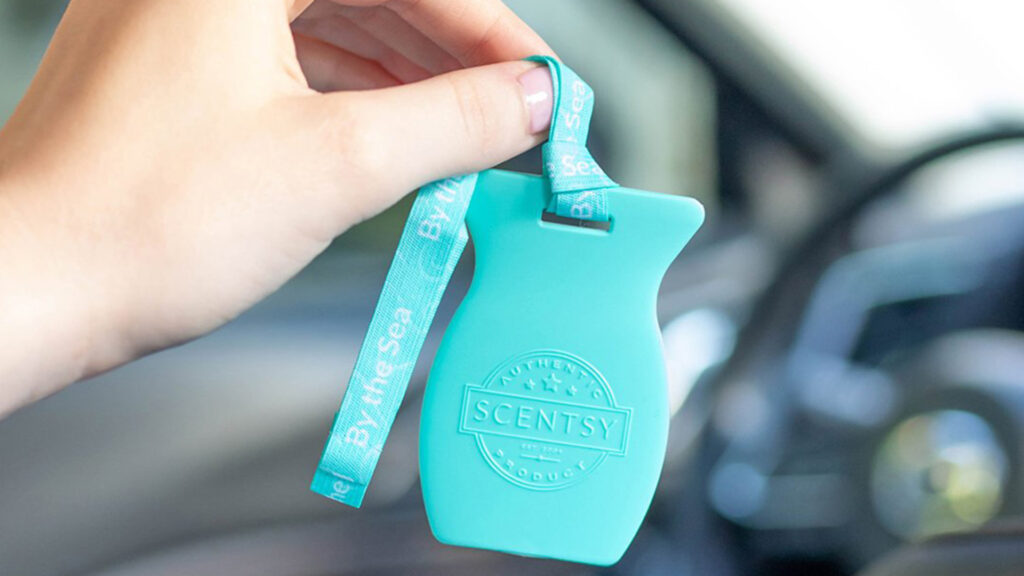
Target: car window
x,y
900,73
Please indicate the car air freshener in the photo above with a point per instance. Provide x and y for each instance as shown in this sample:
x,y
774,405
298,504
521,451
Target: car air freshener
x,y
546,412
545,417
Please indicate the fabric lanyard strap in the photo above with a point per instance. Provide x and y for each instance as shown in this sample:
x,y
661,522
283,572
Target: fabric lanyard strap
x,y
577,182
431,244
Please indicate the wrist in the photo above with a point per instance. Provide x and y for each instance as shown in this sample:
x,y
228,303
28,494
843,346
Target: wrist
x,y
44,314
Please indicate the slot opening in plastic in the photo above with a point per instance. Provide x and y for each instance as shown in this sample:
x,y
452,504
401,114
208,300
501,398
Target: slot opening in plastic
x,y
551,217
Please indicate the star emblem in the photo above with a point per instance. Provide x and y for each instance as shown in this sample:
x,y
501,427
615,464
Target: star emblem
x,y
530,384
572,390
551,382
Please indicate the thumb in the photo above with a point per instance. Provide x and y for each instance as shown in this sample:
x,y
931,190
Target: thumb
x,y
464,121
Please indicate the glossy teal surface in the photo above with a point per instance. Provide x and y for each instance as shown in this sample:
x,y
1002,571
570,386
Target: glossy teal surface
x,y
545,417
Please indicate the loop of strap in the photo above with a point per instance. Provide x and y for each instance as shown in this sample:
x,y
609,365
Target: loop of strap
x,y
430,246
577,182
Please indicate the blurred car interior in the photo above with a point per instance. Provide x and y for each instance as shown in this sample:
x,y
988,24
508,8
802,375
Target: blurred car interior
x,y
844,337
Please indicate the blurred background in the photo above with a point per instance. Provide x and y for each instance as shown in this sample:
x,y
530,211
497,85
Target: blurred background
x,y
844,335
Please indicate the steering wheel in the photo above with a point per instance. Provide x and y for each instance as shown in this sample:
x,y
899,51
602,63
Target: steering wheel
x,y
808,260
740,465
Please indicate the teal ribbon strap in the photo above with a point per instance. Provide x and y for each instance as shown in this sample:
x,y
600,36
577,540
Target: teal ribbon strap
x,y
577,182
431,244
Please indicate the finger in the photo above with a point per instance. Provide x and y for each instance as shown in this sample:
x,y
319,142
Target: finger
x,y
296,7
341,32
474,32
329,69
387,26
396,139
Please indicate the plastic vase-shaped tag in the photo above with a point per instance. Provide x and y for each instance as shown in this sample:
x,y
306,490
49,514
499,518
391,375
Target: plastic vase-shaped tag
x,y
545,417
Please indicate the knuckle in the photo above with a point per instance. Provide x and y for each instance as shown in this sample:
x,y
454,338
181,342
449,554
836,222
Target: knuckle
x,y
474,108
359,147
357,161
482,47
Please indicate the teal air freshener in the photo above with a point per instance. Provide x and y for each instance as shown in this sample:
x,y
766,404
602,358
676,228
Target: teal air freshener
x,y
545,417
546,413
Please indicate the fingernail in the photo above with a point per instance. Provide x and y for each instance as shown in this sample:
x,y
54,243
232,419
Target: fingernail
x,y
538,94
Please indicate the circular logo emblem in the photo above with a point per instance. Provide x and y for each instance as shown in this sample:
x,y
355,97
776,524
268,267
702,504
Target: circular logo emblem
x,y
545,419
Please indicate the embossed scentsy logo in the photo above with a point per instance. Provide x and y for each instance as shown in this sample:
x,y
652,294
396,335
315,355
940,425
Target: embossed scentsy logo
x,y
545,419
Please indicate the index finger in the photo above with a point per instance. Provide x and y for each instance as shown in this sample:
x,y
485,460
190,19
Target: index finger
x,y
475,32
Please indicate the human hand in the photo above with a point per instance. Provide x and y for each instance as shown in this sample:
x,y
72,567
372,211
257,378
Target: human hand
x,y
175,161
